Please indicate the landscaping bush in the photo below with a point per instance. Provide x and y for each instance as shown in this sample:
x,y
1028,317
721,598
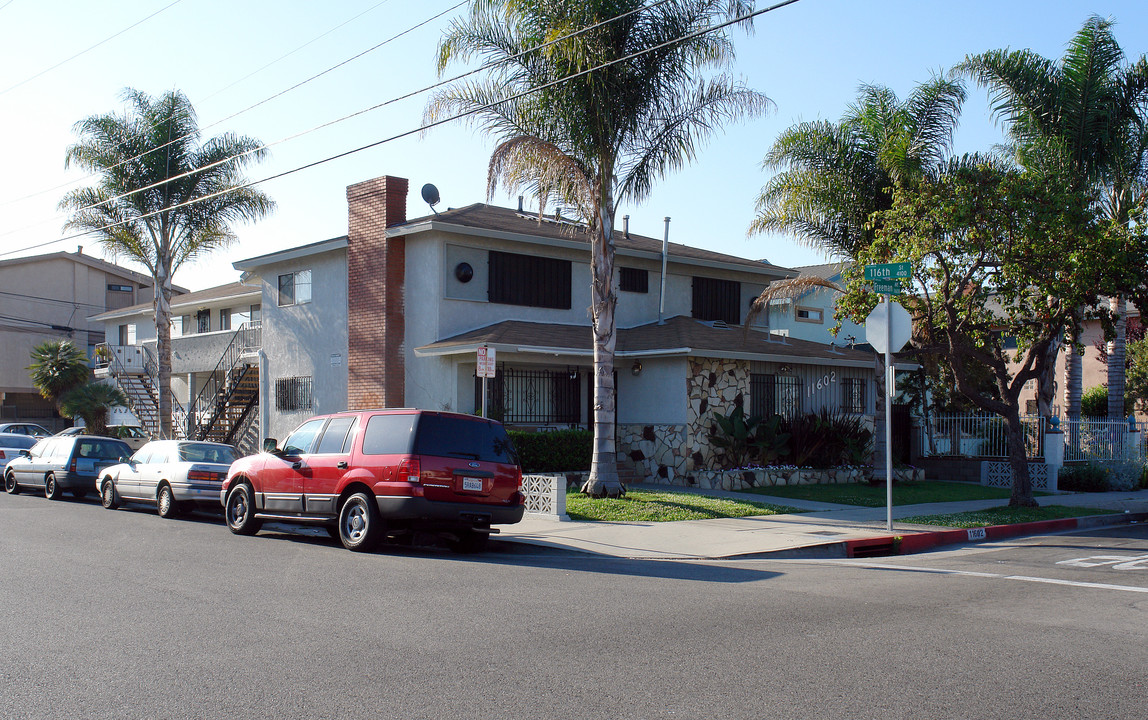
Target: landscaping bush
x,y
1094,402
556,451
827,440
1082,478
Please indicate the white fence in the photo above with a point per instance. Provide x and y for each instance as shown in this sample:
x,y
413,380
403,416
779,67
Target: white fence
x,y
545,495
987,436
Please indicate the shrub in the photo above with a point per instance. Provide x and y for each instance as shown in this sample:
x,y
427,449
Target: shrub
x,y
1082,478
1094,402
557,451
828,440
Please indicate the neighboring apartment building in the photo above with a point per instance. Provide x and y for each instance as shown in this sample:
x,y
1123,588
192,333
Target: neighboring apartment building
x,y
52,297
809,316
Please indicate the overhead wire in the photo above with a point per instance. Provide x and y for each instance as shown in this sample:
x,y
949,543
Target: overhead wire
x,y
25,81
422,128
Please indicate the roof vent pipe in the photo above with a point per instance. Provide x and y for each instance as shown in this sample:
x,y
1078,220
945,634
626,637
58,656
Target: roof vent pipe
x,y
519,203
665,258
626,226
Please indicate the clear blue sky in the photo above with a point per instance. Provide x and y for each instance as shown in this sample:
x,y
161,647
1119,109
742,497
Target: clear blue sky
x,y
809,58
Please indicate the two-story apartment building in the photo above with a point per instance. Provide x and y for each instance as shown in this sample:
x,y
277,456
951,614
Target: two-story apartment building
x,y
51,297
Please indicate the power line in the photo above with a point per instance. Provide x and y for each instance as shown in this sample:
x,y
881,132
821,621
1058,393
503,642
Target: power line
x,y
407,133
93,47
329,123
24,296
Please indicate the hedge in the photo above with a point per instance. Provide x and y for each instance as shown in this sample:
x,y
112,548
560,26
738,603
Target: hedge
x,y
556,451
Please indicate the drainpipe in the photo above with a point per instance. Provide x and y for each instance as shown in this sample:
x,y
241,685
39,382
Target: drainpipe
x,y
665,258
264,400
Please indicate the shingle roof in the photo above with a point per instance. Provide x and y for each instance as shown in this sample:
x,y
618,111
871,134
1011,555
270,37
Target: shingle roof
x,y
826,271
191,299
505,220
678,335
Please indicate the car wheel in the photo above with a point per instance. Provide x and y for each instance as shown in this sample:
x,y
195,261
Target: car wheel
x,y
108,495
10,485
240,511
360,526
52,489
165,503
471,541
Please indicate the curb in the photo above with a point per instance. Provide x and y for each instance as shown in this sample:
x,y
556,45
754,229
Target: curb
x,y
923,541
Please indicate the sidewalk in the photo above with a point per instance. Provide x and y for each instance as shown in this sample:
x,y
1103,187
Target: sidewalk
x,y
829,530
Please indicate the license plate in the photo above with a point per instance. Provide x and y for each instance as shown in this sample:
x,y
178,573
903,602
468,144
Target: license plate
x,y
473,484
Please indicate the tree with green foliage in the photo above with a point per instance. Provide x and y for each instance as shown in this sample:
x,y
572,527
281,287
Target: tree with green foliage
x,y
163,197
57,367
996,253
592,101
1085,118
91,402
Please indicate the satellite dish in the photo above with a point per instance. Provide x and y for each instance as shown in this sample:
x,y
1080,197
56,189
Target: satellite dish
x,y
430,196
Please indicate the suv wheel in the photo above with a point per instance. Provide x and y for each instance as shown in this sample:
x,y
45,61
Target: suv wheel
x,y
52,489
360,526
10,485
108,495
240,511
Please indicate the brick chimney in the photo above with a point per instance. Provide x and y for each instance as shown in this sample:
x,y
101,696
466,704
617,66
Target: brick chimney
x,y
376,268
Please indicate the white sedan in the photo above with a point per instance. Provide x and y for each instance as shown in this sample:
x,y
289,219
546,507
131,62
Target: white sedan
x,y
171,474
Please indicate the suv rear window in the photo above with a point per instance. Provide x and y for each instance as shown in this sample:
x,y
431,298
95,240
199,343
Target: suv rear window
x,y
389,434
460,437
100,449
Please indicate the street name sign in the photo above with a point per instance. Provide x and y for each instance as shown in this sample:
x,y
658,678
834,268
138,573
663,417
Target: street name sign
x,y
887,287
888,271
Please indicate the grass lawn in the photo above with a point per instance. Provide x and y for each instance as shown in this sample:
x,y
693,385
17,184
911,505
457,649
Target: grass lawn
x,y
1003,515
665,506
908,493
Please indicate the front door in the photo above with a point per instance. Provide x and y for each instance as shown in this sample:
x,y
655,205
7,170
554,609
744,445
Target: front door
x,y
283,476
327,465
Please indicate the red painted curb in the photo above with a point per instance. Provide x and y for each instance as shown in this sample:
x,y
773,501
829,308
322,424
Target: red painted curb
x,y
915,542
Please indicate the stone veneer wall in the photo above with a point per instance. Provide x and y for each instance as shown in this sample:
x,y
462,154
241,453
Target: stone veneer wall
x,y
712,385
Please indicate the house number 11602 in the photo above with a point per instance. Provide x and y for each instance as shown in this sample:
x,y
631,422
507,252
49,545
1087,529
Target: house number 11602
x,y
822,383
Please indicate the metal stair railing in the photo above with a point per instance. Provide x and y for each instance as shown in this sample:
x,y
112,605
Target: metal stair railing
x,y
144,402
215,395
151,373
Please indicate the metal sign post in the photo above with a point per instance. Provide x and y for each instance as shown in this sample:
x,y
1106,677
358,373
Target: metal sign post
x,y
485,369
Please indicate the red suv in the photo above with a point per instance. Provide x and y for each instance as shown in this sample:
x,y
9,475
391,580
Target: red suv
x,y
369,474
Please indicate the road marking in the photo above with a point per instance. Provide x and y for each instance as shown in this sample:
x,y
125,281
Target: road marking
x,y
1117,562
969,573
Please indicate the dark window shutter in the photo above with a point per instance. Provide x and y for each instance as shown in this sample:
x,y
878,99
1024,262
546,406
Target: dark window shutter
x,y
716,299
528,280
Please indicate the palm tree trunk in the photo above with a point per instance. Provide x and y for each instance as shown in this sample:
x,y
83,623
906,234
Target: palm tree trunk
x,y
604,480
1116,361
1046,383
162,294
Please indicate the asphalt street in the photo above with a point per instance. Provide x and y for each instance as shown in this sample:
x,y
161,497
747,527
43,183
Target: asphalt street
x,y
125,615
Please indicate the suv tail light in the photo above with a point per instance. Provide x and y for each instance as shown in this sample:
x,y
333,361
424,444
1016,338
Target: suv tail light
x,y
72,467
409,470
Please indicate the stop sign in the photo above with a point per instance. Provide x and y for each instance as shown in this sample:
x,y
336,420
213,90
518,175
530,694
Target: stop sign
x,y
900,327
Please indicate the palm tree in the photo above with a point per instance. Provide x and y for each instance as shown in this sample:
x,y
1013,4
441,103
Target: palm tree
x,y
832,176
91,402
641,109
1085,112
57,367
163,198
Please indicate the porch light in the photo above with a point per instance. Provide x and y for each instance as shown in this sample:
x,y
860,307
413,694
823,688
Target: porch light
x,y
636,369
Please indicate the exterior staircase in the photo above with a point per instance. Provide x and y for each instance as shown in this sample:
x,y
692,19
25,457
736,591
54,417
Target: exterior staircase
x,y
132,369
227,402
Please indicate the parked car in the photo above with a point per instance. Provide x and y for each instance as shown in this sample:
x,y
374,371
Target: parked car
x,y
69,463
133,435
11,445
370,474
31,429
171,474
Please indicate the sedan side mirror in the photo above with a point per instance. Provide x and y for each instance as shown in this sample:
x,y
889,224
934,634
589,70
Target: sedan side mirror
x,y
270,445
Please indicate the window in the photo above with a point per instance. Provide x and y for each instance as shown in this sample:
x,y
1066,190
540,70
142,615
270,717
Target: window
x,y
334,438
225,319
120,288
716,299
775,395
810,315
131,334
529,280
853,395
295,288
303,438
293,393
123,335
533,396
633,280
256,313
389,434
464,438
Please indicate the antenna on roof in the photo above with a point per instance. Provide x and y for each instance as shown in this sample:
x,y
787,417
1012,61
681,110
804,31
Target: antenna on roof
x,y
430,196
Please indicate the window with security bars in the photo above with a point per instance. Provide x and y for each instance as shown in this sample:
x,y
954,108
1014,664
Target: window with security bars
x,y
528,280
853,395
633,280
775,395
293,393
716,299
543,397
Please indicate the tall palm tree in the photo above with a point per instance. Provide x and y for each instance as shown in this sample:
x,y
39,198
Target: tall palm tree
x,y
1085,112
151,162
57,367
832,176
642,109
